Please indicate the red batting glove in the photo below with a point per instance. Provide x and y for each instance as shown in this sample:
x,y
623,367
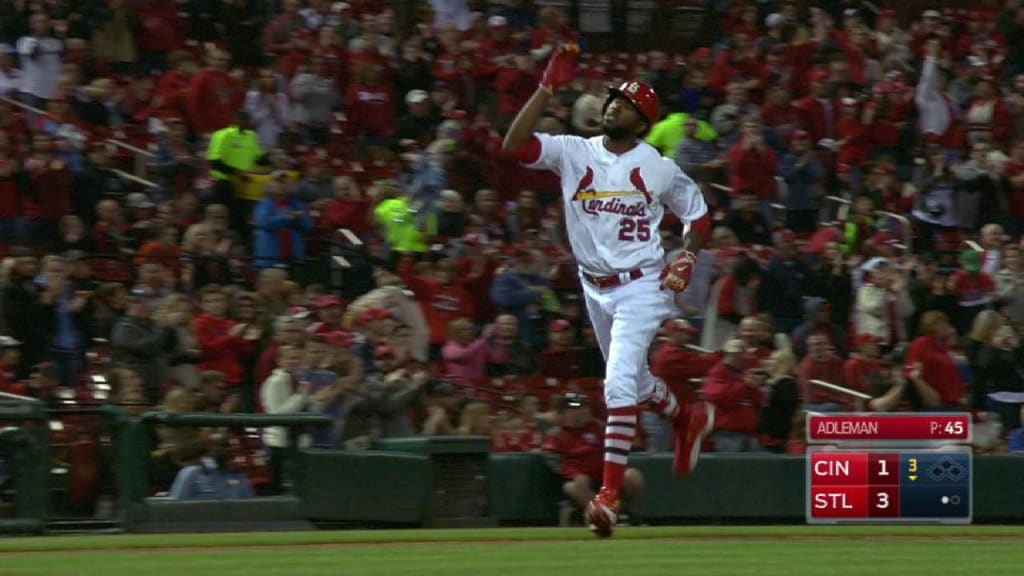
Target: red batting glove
x,y
561,67
676,276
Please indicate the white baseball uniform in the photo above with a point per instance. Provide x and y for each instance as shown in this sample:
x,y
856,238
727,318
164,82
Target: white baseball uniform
x,y
613,208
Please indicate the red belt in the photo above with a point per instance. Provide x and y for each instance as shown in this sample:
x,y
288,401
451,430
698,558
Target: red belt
x,y
613,280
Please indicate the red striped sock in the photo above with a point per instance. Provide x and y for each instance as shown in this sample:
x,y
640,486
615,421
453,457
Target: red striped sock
x,y
618,439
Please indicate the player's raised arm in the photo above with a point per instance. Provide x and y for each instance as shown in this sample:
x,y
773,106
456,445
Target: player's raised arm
x,y
560,71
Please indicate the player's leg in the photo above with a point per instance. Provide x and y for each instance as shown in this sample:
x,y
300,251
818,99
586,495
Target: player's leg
x,y
602,511
635,320
691,422
600,319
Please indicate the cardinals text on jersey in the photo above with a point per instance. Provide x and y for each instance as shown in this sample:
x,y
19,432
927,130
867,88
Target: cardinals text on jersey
x,y
614,203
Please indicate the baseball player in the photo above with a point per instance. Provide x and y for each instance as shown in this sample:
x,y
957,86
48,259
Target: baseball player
x,y
616,188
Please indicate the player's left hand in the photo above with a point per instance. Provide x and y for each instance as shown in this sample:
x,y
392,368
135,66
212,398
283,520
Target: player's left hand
x,y
676,276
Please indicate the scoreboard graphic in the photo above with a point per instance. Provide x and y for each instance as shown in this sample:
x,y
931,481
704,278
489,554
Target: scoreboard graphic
x,y
911,477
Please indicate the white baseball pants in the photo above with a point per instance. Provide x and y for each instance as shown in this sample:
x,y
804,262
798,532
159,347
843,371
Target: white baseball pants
x,y
625,320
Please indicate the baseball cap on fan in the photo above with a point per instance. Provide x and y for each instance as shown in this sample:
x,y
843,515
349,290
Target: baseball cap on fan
x,y
9,342
573,400
774,19
678,325
416,96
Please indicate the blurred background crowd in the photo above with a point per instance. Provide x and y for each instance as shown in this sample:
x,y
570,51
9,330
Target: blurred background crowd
x,y
291,206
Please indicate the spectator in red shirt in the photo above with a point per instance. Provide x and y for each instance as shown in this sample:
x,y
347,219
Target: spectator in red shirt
x,y
224,345
780,114
854,136
554,29
214,96
863,370
170,97
12,224
330,315
515,80
159,31
51,187
975,290
348,209
10,357
441,298
753,166
370,103
163,249
520,431
497,44
677,364
821,363
737,397
561,359
578,443
931,368
280,32
988,118
817,111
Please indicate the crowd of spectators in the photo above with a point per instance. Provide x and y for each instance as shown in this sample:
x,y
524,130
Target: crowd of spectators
x,y
864,171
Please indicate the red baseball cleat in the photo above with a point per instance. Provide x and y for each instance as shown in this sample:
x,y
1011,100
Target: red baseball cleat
x,y
602,513
690,434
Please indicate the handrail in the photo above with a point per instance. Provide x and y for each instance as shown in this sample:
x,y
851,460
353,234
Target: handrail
x,y
140,153
180,420
906,228
844,206
699,349
18,397
860,396
19,408
134,178
134,149
22,105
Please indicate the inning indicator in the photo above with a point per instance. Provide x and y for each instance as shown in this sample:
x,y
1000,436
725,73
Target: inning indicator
x,y
889,486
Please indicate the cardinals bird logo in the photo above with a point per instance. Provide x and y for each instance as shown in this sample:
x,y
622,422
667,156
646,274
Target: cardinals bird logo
x,y
638,182
584,185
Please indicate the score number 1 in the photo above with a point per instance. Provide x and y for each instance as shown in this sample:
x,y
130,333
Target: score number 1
x,y
883,485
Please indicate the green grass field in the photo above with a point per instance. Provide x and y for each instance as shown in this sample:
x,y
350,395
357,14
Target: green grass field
x,y
703,551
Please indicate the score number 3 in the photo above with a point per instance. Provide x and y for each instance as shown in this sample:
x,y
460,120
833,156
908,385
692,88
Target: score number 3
x,y
883,498
631,229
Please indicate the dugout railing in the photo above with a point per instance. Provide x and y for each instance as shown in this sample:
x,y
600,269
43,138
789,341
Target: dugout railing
x,y
135,442
23,450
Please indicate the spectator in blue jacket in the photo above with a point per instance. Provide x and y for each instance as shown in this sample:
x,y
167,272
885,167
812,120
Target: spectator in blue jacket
x,y
803,174
213,478
783,284
280,223
519,291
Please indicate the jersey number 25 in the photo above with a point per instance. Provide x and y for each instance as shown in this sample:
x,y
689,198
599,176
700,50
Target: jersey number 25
x,y
631,229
